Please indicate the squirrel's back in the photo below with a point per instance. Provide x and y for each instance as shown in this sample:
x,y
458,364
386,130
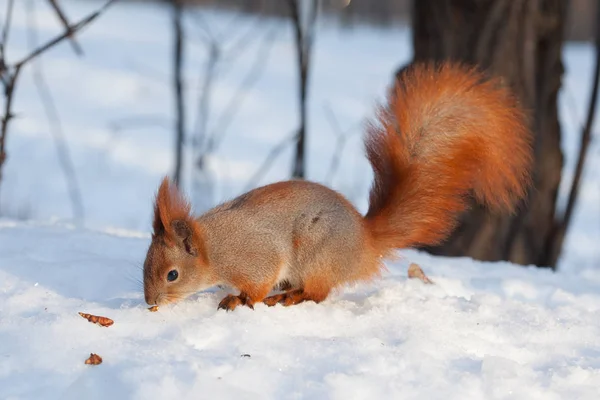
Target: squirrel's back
x,y
293,221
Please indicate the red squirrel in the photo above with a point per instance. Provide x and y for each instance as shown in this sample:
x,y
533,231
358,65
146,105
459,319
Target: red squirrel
x,y
446,133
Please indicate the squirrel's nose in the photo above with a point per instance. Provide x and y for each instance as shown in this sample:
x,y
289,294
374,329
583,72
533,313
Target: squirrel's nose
x,y
150,300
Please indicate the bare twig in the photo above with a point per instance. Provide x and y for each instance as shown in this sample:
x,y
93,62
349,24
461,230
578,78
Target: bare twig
x,y
207,141
310,29
139,121
341,140
561,227
241,44
9,90
298,166
73,29
209,37
304,35
202,184
178,88
219,132
208,136
5,31
209,73
586,136
150,72
61,15
264,167
134,122
13,72
62,148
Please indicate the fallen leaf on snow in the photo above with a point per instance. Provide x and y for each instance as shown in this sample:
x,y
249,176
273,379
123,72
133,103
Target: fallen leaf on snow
x,y
94,359
102,321
414,271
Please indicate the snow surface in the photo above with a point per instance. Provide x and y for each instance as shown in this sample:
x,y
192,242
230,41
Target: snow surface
x,y
483,331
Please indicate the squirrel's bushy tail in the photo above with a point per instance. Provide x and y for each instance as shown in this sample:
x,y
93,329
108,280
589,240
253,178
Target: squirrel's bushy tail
x,y
447,132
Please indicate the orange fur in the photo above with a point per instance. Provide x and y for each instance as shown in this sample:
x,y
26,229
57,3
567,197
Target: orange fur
x,y
447,132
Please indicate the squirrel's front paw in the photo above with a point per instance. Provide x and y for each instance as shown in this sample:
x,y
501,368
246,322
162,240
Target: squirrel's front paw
x,y
230,302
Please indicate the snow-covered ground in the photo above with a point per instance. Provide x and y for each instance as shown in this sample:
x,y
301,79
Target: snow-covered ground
x,y
483,331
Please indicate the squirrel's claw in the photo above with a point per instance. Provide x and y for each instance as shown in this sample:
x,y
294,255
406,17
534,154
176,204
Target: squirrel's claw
x,y
230,302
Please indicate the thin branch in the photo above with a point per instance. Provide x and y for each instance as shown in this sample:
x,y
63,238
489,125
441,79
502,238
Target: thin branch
x,y
304,36
61,15
310,30
149,72
341,140
586,135
139,121
204,28
10,80
62,149
240,44
562,226
227,117
264,167
298,166
207,141
206,136
5,31
178,88
207,31
8,94
73,29
210,71
117,126
229,28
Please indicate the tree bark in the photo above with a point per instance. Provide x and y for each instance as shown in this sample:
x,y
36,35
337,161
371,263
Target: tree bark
x,y
520,40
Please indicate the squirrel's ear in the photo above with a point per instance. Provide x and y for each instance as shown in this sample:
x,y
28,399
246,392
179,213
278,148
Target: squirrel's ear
x,y
169,206
184,236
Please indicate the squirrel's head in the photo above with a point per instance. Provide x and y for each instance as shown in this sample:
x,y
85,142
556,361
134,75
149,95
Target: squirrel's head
x,y
175,265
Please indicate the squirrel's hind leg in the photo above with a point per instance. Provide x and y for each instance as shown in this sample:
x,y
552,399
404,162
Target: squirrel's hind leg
x,y
312,291
289,298
246,298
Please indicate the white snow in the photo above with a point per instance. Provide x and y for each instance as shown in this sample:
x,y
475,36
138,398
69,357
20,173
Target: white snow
x,y
483,331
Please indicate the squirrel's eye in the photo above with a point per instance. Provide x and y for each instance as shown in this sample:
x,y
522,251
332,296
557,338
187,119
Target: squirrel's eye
x,y
172,275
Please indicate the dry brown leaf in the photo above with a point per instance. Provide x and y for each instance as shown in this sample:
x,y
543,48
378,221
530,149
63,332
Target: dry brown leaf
x,y
414,271
94,359
95,319
153,309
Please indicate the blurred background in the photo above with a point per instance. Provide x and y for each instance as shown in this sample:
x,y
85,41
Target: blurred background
x,y
102,99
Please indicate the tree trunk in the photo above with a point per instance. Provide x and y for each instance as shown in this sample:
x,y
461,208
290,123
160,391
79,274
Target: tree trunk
x,y
520,40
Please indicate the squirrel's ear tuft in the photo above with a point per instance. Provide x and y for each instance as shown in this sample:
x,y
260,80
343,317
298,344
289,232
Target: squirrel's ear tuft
x,y
157,224
169,206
